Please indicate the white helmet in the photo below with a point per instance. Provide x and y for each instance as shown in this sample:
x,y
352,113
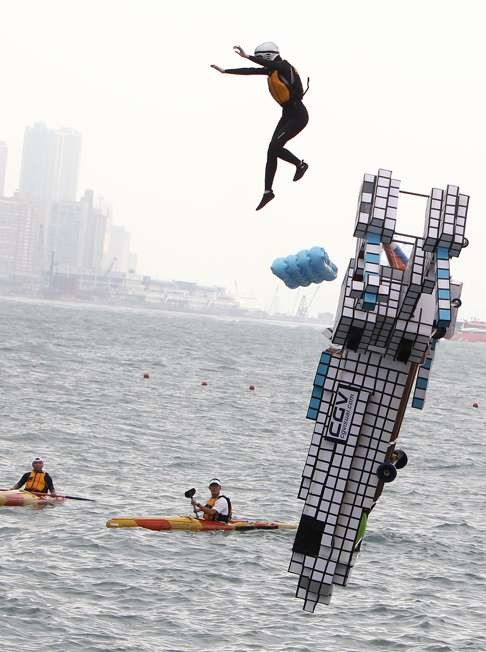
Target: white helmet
x,y
268,51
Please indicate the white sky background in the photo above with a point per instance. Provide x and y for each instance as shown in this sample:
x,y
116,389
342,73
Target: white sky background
x,y
179,149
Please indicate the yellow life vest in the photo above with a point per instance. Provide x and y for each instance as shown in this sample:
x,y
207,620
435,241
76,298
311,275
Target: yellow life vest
x,y
36,481
212,502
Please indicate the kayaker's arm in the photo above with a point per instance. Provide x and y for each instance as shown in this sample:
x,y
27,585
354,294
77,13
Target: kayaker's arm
x,y
209,512
50,484
22,481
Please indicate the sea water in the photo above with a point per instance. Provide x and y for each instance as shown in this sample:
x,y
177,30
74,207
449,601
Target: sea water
x,y
73,391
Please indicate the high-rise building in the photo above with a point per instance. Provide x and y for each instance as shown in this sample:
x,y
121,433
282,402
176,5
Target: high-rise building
x,y
50,163
95,233
3,167
37,162
65,235
67,154
76,234
49,171
20,237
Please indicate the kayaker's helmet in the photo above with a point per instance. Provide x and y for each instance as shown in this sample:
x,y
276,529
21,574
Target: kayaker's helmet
x,y
215,481
268,51
38,460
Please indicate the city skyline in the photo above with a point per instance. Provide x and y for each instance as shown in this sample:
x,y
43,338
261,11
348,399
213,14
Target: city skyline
x,y
43,223
46,229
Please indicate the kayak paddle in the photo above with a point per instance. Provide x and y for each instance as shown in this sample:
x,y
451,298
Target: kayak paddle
x,y
190,493
39,493
91,500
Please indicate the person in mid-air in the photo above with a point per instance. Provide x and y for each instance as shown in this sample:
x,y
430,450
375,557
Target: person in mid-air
x,y
36,480
286,88
218,507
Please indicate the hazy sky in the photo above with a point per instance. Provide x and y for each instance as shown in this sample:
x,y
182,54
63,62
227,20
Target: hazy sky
x,y
179,149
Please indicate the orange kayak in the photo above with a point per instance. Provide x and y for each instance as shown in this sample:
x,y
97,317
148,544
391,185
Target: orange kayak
x,y
190,523
19,498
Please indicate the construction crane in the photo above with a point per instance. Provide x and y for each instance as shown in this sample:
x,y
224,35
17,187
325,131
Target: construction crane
x,y
110,267
303,308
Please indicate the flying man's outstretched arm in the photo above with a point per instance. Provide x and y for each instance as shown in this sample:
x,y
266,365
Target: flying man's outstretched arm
x,y
241,71
246,71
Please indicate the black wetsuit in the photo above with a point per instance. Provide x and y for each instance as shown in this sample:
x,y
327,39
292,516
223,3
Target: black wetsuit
x,y
294,114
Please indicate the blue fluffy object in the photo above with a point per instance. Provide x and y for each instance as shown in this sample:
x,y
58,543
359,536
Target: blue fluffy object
x,y
306,267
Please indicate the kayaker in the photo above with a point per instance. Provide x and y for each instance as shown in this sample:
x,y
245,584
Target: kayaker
x,y
218,507
36,480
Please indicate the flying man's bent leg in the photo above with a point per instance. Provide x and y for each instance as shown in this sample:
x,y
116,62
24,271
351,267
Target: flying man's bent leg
x,y
273,150
290,124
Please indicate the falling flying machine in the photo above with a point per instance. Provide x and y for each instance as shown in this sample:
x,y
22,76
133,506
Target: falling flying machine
x,y
393,310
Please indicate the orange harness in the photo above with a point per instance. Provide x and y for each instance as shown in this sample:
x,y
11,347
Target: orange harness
x,y
279,87
284,90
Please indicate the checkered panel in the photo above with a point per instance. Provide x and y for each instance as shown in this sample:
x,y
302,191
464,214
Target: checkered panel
x,y
387,322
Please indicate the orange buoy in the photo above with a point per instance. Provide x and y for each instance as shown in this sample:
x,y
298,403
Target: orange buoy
x,y
252,387
146,374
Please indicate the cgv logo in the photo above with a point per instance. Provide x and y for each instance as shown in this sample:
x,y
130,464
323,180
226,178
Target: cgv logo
x,y
342,413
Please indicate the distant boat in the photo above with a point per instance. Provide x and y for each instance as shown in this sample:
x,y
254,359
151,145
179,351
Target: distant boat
x,y
470,331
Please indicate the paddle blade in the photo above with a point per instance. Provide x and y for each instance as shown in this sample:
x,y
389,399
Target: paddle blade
x,y
189,493
90,500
